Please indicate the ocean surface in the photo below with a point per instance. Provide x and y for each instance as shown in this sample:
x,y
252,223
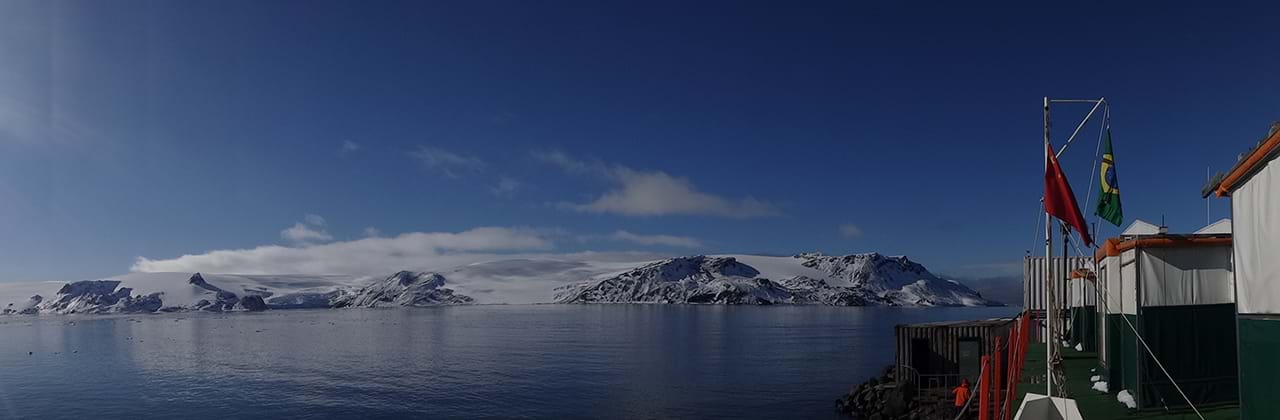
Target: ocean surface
x,y
491,361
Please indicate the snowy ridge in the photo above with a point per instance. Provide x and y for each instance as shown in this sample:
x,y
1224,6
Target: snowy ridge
x,y
403,289
170,292
851,280
697,279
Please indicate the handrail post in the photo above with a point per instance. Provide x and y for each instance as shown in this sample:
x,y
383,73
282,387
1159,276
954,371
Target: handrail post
x,y
984,388
996,384
1011,360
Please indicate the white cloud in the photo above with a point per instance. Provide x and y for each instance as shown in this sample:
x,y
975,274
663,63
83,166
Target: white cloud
x,y
304,234
653,193
349,146
372,232
664,240
568,163
310,230
506,187
313,219
849,230
449,164
658,194
409,251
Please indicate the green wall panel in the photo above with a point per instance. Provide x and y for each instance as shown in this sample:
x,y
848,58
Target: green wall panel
x,y
1259,349
1122,346
1197,344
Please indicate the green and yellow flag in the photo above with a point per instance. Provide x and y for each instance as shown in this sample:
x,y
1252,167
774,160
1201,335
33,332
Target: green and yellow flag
x,y
1109,189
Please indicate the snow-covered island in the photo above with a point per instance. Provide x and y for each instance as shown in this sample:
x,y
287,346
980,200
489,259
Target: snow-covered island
x,y
807,279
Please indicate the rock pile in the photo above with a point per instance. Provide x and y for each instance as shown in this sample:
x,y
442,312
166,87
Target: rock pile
x,y
883,398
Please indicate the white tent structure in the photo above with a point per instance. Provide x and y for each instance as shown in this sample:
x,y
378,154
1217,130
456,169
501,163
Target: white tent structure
x,y
1082,310
1177,292
1141,227
1254,187
1219,227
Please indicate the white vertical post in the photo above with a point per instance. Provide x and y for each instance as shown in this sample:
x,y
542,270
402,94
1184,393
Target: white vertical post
x,y
1048,267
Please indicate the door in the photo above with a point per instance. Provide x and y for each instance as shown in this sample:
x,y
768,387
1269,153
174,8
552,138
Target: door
x,y
920,356
970,358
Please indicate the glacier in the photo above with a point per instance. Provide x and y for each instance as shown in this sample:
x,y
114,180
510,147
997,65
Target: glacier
x,y
869,279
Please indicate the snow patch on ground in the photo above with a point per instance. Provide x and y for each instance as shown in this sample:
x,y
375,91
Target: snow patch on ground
x,y
1127,399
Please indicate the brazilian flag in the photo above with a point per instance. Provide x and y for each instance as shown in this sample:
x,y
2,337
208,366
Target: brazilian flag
x,y
1109,189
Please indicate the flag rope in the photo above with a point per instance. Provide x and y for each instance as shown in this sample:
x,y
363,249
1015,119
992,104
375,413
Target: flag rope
x,y
1102,129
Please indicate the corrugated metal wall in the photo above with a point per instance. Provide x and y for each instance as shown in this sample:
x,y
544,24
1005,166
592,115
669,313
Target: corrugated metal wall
x,y
944,343
1033,280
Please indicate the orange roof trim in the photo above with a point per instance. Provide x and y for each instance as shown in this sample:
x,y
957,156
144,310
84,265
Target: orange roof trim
x,y
1247,166
1113,247
1110,248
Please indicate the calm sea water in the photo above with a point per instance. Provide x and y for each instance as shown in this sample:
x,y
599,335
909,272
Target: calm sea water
x,y
540,361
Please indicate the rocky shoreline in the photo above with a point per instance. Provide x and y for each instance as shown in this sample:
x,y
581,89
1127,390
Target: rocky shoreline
x,y
883,398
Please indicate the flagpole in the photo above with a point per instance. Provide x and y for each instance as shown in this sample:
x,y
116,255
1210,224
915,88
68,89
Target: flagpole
x,y
1048,265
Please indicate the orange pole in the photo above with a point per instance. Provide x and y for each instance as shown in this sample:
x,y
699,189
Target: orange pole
x,y
984,388
1010,381
998,382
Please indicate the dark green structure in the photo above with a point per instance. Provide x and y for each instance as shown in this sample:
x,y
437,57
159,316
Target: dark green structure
x,y
1259,345
1082,310
1084,328
1175,293
1255,220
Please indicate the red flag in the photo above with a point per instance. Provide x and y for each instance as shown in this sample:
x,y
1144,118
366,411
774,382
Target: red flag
x,y
1059,201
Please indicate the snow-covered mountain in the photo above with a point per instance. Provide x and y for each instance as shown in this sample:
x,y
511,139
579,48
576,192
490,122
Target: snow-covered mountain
x,y
172,292
851,280
403,289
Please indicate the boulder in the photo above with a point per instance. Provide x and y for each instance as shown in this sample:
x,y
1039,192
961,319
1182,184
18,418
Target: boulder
x,y
253,304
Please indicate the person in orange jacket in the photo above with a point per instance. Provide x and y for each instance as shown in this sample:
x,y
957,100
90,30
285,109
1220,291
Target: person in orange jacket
x,y
962,395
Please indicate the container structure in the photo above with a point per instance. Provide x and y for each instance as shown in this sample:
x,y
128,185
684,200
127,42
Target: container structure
x,y
1254,187
1033,288
940,354
1169,306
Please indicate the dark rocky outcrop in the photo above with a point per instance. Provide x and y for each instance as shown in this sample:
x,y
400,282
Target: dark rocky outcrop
x,y
223,300
252,303
883,398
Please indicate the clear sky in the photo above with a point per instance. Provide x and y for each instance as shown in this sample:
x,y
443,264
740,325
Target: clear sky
x,y
160,129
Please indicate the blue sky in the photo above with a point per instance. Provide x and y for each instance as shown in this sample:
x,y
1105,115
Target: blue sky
x,y
163,129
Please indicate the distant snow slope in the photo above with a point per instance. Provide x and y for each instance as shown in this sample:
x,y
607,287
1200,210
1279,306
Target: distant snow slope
x,y
851,280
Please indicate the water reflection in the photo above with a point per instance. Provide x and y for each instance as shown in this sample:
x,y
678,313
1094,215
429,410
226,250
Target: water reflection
x,y
474,361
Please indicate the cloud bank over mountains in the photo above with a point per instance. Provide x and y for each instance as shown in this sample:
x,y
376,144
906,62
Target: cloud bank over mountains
x,y
368,255
310,249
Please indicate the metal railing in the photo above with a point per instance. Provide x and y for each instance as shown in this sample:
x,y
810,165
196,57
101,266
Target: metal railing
x,y
924,383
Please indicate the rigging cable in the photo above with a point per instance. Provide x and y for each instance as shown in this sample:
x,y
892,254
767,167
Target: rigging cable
x,y
1107,306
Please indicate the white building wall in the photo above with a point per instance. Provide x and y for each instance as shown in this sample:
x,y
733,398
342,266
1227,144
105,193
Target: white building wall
x,y
1255,211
